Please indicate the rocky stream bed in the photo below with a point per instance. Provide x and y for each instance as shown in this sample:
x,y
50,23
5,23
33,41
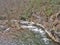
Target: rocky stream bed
x,y
29,34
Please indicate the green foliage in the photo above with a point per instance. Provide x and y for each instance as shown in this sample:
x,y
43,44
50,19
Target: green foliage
x,y
34,5
48,12
37,5
28,11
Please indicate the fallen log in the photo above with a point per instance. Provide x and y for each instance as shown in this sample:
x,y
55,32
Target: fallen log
x,y
49,33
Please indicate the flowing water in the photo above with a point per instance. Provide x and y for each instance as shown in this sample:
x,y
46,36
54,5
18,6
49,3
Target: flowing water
x,y
39,34
30,34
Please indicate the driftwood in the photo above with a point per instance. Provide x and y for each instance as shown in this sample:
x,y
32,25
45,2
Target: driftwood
x,y
53,37
49,33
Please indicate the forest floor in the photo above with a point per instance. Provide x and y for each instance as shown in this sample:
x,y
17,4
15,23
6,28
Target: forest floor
x,y
45,12
40,11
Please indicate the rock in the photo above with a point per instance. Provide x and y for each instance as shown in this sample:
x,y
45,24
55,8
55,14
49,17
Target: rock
x,y
58,27
2,28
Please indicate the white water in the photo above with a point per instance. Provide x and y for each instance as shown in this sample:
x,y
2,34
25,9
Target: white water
x,y
31,26
37,30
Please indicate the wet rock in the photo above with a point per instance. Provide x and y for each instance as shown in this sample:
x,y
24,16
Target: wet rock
x,y
34,35
2,28
24,22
